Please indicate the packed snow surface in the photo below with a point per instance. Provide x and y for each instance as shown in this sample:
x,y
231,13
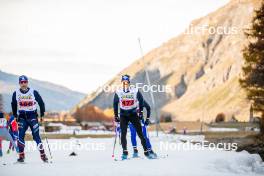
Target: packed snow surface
x,y
94,157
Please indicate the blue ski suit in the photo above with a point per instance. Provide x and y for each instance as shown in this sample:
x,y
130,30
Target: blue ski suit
x,y
27,117
144,129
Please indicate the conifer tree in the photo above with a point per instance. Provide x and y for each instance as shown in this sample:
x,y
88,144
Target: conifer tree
x,y
253,69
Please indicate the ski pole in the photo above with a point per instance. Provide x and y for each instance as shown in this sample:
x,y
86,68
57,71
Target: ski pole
x,y
45,136
119,134
113,153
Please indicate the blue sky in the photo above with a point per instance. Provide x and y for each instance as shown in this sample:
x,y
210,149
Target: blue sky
x,y
81,44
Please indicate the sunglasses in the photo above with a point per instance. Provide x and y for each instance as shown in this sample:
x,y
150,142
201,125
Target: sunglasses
x,y
23,82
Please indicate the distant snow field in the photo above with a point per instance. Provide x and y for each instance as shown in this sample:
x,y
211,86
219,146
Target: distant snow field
x,y
94,158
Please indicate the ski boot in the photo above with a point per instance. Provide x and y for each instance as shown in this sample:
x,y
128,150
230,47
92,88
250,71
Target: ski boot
x,y
154,155
135,154
148,155
124,155
44,158
1,153
21,158
8,151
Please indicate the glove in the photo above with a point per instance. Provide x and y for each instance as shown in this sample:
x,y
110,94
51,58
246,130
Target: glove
x,y
117,124
42,114
147,122
117,119
17,119
41,120
140,115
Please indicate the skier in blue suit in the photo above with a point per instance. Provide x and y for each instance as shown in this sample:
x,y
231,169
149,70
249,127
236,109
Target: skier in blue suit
x,y
144,125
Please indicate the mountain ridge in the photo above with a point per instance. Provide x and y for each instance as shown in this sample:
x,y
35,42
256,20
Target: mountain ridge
x,y
203,69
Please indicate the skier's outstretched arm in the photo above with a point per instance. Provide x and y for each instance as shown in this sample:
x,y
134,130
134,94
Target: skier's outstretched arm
x,y
40,102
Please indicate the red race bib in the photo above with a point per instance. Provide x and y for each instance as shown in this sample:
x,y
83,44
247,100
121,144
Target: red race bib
x,y
25,103
127,103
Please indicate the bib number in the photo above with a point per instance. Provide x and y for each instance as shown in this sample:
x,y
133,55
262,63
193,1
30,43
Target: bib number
x,y
25,103
127,103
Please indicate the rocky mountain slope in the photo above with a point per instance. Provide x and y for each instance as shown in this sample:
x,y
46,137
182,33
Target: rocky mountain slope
x,y
202,66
